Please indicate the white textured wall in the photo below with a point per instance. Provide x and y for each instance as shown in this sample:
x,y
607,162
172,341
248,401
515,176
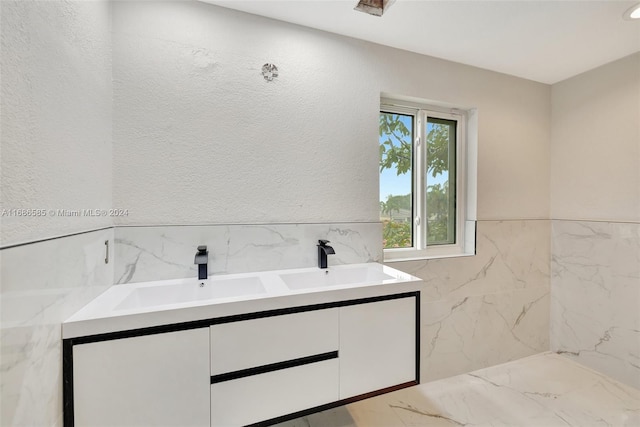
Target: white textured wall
x,y
595,150
595,195
55,114
200,137
55,62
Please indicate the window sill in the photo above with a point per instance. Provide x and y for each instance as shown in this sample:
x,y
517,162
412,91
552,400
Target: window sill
x,y
424,257
463,249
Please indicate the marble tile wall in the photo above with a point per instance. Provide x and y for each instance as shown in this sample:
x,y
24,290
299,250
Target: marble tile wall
x,y
487,309
44,283
544,390
595,296
155,253
476,311
41,285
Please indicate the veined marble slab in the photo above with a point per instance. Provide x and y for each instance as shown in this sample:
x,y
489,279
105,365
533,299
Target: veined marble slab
x,y
510,255
595,296
487,309
160,253
42,285
467,333
542,390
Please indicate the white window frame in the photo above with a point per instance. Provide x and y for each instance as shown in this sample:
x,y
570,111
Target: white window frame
x,y
464,244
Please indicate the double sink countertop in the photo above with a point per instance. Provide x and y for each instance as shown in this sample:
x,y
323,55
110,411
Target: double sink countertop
x,y
148,304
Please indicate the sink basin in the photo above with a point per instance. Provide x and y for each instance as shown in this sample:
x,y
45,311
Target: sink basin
x,y
334,277
146,304
191,291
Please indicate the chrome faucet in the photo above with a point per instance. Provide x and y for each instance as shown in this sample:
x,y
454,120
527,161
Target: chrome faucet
x,y
202,259
323,251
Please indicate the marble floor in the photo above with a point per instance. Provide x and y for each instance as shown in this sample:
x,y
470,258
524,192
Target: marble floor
x,y
544,390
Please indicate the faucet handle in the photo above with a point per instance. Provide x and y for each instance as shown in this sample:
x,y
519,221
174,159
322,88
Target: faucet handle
x,y
322,242
202,249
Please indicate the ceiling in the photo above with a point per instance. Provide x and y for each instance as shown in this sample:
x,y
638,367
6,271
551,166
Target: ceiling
x,y
546,41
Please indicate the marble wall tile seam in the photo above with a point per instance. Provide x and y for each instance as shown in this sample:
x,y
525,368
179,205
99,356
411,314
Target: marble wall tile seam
x,y
511,219
239,224
598,220
115,227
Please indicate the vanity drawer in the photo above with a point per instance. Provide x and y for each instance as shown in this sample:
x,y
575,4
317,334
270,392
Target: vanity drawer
x,y
267,340
261,397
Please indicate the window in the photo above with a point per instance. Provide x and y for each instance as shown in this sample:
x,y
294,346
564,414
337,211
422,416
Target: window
x,y
422,182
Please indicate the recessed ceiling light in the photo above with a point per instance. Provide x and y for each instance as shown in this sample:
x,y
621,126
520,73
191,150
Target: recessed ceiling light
x,y
633,12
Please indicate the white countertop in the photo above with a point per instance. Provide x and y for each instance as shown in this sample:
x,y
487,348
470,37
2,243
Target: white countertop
x,y
122,307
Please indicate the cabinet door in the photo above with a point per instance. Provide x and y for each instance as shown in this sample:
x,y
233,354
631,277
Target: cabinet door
x,y
152,380
377,346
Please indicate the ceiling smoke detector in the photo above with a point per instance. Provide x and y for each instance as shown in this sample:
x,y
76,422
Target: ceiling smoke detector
x,y
374,7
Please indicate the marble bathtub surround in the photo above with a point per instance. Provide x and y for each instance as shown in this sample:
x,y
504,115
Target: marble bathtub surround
x,y
595,296
497,299
542,390
158,253
43,284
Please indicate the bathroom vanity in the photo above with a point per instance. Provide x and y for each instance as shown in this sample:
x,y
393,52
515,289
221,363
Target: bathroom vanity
x,y
236,350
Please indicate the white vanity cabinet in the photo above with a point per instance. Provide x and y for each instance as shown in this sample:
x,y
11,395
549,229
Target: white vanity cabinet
x,y
253,368
151,380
